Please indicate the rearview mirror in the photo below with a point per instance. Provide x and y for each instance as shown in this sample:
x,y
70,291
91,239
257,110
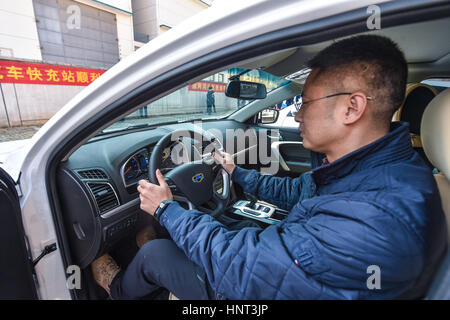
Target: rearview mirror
x,y
245,90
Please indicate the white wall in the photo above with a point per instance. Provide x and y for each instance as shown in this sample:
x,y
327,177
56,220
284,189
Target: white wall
x,y
145,17
149,15
172,12
125,34
18,32
29,104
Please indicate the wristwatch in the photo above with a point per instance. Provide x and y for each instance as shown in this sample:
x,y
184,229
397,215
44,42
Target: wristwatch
x,y
162,206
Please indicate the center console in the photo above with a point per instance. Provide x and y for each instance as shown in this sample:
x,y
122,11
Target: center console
x,y
259,211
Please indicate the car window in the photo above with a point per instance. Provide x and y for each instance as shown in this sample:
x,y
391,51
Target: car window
x,y
201,100
286,113
438,84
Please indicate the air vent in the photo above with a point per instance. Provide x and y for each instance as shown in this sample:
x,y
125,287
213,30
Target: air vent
x,y
104,195
91,174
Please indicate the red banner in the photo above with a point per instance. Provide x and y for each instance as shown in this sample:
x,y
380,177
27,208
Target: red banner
x,y
37,73
204,86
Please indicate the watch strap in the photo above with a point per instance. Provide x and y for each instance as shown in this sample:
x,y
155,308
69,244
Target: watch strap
x,y
162,206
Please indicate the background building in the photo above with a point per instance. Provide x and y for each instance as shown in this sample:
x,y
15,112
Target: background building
x,y
85,33
153,17
50,35
71,38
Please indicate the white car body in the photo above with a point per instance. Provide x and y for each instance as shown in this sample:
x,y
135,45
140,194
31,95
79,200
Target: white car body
x,y
224,24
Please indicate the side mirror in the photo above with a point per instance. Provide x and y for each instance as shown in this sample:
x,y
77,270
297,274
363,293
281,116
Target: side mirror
x,y
245,90
268,116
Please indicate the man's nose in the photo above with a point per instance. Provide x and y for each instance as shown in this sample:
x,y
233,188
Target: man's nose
x,y
299,116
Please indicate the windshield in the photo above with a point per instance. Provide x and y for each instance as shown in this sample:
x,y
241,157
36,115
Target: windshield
x,y
201,100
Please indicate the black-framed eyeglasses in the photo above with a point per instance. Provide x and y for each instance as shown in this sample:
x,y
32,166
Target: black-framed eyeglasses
x,y
299,103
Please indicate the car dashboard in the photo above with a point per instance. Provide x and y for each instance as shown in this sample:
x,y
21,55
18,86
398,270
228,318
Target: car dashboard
x,y
97,186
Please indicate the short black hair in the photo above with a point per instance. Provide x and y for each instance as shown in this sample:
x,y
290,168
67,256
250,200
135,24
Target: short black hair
x,y
376,60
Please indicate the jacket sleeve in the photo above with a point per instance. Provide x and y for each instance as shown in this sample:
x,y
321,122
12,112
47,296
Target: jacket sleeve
x,y
233,260
326,258
282,192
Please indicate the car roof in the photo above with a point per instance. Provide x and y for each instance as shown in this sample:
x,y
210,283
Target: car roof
x,y
425,45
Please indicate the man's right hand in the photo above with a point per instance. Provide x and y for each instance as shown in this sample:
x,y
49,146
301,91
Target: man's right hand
x,y
226,160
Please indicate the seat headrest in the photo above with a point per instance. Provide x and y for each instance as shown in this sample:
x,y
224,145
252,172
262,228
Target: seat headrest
x,y
435,129
417,97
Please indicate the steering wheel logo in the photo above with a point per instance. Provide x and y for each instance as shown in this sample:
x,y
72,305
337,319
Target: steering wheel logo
x,y
198,178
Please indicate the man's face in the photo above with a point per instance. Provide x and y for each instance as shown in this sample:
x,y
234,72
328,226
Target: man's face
x,y
318,121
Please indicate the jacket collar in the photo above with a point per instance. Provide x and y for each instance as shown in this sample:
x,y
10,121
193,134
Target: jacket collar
x,y
394,146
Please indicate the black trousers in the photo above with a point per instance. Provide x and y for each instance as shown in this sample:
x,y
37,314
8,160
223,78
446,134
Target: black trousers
x,y
160,266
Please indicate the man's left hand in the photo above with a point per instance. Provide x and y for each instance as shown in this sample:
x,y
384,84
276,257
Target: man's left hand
x,y
151,195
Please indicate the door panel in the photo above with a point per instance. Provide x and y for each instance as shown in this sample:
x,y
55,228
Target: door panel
x,y
286,145
16,272
297,159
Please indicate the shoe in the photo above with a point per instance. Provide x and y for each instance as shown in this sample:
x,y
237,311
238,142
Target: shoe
x,y
145,235
104,270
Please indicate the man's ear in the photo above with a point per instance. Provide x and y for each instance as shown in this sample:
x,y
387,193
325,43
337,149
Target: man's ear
x,y
355,107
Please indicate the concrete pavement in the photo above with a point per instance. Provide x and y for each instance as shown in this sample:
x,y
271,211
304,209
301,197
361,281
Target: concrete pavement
x,y
17,133
12,139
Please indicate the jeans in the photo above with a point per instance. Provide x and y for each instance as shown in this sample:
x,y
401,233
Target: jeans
x,y
161,265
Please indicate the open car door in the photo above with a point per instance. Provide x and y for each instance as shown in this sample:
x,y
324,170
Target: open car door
x,y
16,270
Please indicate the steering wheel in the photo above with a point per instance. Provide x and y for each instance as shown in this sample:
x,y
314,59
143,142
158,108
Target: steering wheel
x,y
192,182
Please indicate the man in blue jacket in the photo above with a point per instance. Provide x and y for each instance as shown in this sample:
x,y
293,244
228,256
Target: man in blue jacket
x,y
365,224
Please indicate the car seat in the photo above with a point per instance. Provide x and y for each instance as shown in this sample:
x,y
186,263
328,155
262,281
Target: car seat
x,y
417,97
435,135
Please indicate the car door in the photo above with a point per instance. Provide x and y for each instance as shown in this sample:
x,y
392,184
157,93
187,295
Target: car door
x,y
16,270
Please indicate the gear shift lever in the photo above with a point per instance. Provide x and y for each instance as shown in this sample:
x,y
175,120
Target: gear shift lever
x,y
252,200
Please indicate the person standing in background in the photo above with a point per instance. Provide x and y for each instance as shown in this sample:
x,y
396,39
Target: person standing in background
x,y
143,112
210,101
